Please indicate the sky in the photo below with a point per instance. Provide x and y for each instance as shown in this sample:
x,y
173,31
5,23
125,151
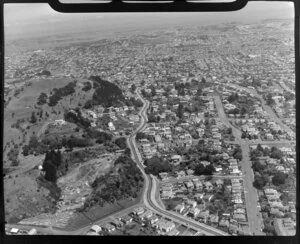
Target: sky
x,y
39,19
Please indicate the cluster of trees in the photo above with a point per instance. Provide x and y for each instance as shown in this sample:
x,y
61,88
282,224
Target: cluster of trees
x,y
59,93
180,87
35,146
233,97
121,142
12,156
269,100
103,137
134,102
87,86
263,172
279,179
260,181
106,93
237,153
114,187
235,111
247,135
75,116
42,99
207,170
152,118
156,165
142,135
53,164
274,152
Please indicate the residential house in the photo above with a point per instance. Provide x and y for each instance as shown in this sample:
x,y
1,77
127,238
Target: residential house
x,y
219,183
126,219
193,212
179,208
164,225
214,219
96,228
108,227
224,223
240,217
138,210
208,186
203,216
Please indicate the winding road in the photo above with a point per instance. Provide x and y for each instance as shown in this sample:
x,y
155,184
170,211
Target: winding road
x,y
150,183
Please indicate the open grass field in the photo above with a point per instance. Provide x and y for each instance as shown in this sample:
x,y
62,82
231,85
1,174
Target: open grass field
x,y
23,197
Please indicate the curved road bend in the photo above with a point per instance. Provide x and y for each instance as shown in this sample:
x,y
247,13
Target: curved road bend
x,y
149,197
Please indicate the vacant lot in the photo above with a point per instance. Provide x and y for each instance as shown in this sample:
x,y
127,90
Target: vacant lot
x,y
96,213
23,197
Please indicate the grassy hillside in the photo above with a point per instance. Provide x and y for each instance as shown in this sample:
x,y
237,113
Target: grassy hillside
x,y
21,107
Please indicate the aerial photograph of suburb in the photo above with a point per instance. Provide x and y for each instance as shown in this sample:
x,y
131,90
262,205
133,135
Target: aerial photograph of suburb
x,y
150,124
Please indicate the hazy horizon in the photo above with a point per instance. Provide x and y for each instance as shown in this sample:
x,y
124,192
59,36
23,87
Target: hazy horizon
x,y
38,20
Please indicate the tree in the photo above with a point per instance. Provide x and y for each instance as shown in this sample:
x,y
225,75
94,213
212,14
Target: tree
x,y
155,166
279,179
25,150
140,135
257,166
33,142
269,100
180,111
133,88
153,91
277,154
87,86
33,118
243,111
121,142
199,169
259,182
42,99
209,169
238,155
15,162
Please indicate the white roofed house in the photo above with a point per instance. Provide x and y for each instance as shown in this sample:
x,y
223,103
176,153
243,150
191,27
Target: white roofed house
x,y
96,228
164,226
189,185
191,203
111,126
32,232
193,212
176,159
219,183
138,210
179,208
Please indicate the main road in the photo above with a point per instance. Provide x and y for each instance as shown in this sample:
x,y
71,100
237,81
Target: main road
x,y
251,196
150,183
